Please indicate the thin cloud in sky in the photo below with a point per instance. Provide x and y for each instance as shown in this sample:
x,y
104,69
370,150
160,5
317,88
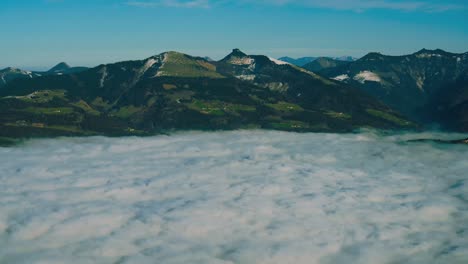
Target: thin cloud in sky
x,y
362,5
353,5
171,3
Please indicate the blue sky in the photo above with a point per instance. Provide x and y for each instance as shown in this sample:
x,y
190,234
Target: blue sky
x,y
40,33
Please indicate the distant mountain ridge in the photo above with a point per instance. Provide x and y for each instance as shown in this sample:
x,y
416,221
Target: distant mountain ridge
x,y
299,61
306,60
10,74
324,63
62,66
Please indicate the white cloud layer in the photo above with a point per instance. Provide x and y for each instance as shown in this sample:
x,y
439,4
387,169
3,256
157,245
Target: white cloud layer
x,y
234,197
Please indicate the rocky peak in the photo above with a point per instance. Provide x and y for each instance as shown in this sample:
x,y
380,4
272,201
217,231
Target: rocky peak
x,y
62,66
238,53
237,57
372,56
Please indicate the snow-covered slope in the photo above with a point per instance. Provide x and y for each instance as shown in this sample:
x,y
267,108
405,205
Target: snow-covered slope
x,y
367,76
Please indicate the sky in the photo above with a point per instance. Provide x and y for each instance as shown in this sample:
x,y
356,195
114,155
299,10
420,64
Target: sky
x,y
36,34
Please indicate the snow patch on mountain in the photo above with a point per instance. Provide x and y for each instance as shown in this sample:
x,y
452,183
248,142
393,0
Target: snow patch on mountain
x,y
241,61
420,82
342,77
103,77
246,77
149,63
368,76
163,58
278,86
428,55
278,62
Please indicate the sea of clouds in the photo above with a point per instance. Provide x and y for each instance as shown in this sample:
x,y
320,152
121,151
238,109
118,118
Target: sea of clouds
x,y
235,197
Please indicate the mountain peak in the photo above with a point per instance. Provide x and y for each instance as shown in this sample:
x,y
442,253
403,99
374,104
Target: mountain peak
x,y
173,52
422,51
8,69
11,70
60,67
177,64
372,56
238,57
238,53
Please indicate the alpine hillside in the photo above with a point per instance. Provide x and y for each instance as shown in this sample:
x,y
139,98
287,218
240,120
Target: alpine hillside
x,y
428,86
174,91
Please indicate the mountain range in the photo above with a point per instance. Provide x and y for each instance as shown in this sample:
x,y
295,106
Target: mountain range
x,y
175,91
324,63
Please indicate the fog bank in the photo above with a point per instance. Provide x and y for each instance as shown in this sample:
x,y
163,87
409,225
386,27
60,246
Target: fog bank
x,y
235,197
